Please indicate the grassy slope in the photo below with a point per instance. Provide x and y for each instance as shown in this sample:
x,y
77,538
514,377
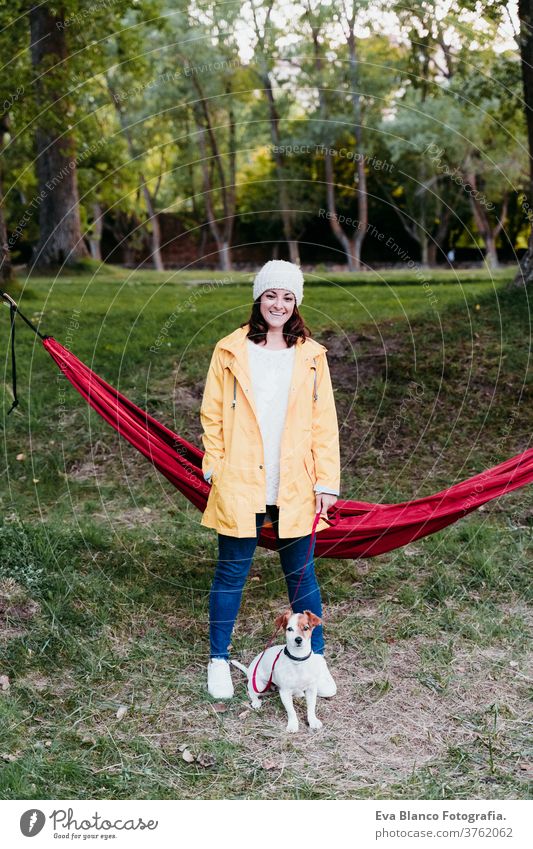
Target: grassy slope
x,y
105,571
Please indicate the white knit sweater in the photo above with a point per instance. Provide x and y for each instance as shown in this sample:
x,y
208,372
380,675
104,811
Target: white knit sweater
x,y
271,373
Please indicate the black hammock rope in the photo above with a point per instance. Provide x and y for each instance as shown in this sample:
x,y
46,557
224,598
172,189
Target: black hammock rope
x,y
13,311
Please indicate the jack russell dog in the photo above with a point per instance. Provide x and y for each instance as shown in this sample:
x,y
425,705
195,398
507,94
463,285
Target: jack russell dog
x,y
293,668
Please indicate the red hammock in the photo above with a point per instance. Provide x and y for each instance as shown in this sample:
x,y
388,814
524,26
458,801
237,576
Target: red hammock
x,y
359,528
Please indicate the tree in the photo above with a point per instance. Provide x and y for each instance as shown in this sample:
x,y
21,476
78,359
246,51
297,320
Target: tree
x,y
350,10
351,96
55,135
215,94
147,194
491,135
6,269
314,16
524,276
436,47
60,238
265,55
450,127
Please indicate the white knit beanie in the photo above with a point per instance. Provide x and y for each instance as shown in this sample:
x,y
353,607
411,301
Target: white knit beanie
x,y
279,274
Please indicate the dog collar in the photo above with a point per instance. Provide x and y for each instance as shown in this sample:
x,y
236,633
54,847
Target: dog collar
x,y
287,652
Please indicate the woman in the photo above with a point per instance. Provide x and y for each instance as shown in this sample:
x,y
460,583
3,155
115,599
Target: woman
x,y
271,443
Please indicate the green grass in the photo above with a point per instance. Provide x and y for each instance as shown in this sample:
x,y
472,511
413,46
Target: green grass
x,y
105,570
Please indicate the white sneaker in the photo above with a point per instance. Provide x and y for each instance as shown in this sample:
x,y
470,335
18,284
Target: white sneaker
x,y
219,683
326,684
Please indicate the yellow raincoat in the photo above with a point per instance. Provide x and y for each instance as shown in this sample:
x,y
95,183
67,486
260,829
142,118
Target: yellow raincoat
x,y
234,446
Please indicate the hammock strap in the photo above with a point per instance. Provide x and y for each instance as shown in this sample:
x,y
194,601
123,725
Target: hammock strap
x,y
13,310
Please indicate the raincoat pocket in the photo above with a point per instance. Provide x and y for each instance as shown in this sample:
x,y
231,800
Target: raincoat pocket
x,y
217,471
227,503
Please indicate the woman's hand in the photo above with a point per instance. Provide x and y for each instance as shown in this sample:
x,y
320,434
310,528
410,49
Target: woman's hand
x,y
323,502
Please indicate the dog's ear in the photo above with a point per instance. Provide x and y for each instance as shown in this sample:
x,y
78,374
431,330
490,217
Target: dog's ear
x,y
283,618
313,620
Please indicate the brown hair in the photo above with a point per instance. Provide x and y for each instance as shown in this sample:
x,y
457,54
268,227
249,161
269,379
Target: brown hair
x,y
293,329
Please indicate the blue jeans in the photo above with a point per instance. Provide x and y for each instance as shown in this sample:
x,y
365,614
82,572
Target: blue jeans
x,y
234,561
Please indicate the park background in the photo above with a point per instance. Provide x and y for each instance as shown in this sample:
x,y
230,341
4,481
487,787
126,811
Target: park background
x,y
153,156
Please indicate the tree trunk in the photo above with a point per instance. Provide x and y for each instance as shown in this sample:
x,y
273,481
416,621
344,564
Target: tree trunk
x,y
6,269
362,195
422,232
223,244
352,246
336,227
286,213
156,229
155,235
224,253
95,237
524,276
491,254
264,75
488,233
221,230
437,241
294,251
128,255
60,238
424,250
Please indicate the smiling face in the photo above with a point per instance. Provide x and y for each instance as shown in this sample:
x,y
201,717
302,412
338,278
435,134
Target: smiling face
x,y
298,630
277,306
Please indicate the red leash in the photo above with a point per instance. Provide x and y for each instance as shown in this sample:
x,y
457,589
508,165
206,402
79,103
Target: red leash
x,y
254,684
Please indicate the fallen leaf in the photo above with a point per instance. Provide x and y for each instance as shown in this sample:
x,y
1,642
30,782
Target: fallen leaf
x,y
527,767
147,509
243,714
220,707
4,682
269,763
206,760
182,747
121,712
21,456
8,757
187,756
